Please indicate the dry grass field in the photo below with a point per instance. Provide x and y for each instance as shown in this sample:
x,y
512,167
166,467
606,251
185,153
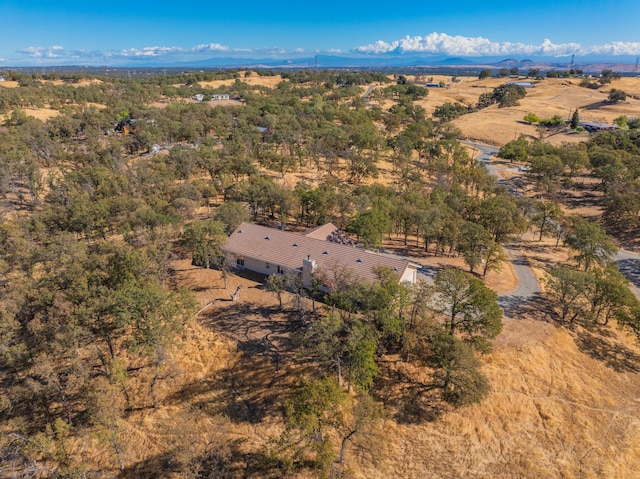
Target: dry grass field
x,y
564,400
9,84
548,97
253,80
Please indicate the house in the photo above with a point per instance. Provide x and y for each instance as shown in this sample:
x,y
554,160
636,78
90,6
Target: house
x,y
126,126
220,97
198,97
523,84
592,126
267,251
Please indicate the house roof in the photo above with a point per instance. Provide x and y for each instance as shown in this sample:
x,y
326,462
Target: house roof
x,y
321,232
290,249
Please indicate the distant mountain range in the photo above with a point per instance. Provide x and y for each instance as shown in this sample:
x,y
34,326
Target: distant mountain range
x,y
593,64
588,64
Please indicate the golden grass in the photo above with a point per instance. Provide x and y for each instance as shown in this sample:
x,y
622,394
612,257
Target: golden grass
x,y
253,80
549,97
9,84
87,82
563,403
554,411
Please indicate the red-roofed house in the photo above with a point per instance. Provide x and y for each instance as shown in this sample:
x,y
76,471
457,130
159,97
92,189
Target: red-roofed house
x,y
268,251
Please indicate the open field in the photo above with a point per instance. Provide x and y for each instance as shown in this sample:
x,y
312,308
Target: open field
x,y
8,84
549,97
253,80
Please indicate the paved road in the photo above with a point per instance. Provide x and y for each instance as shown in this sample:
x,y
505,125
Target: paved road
x,y
486,152
366,95
368,92
528,285
628,262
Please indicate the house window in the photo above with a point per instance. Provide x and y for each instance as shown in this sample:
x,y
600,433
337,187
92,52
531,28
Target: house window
x,y
280,270
267,265
240,262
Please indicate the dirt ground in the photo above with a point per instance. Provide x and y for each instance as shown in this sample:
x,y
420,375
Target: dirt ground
x,y
501,281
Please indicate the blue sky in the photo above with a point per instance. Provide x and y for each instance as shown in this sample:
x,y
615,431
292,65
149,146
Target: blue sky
x,y
98,32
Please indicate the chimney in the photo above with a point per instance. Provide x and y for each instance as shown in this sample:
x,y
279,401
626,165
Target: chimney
x,y
308,267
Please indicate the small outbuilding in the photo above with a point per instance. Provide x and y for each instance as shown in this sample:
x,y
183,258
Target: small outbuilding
x,y
592,126
523,84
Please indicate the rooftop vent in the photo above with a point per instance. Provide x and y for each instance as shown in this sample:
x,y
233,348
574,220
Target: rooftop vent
x,y
239,231
395,269
295,244
267,237
358,260
325,252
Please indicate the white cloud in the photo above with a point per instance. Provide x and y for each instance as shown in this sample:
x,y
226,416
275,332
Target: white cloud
x,y
210,47
443,44
618,48
433,43
146,52
55,51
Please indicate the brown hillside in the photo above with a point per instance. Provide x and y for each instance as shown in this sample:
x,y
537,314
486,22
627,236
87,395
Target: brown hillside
x,y
563,402
549,97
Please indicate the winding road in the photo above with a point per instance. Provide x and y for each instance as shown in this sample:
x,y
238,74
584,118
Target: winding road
x,y
628,262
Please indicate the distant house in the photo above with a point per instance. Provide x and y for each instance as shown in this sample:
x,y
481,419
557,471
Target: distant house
x,y
273,251
126,127
198,97
592,126
523,84
220,97
3,78
432,85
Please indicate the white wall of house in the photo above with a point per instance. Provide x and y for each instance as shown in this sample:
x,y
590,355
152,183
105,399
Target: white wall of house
x,y
258,265
410,275
266,268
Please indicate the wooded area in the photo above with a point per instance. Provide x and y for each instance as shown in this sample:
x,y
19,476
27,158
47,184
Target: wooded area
x,y
95,214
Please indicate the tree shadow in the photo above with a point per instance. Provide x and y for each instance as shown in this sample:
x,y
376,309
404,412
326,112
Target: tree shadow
x,y
408,400
513,306
222,459
253,384
596,105
612,353
159,465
